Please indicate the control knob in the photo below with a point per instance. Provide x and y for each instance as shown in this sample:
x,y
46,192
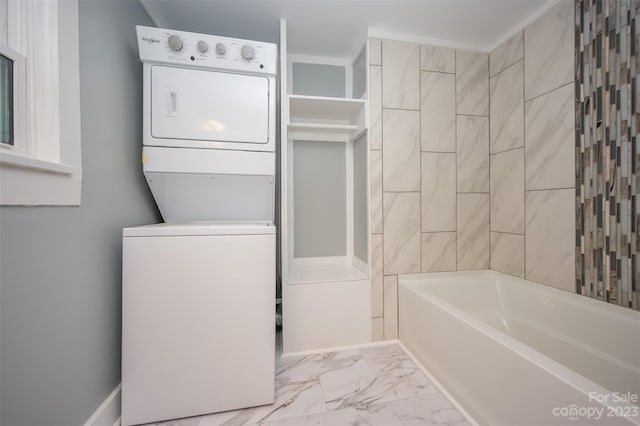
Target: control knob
x,y
247,52
221,49
175,43
203,47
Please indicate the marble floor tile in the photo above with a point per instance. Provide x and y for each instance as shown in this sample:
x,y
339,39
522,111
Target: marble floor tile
x,y
379,382
317,364
375,415
388,352
377,386
434,410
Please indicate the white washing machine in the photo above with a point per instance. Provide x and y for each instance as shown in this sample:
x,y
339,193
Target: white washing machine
x,y
198,319
198,330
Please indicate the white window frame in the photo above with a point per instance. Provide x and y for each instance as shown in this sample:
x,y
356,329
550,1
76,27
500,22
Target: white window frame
x,y
44,166
19,98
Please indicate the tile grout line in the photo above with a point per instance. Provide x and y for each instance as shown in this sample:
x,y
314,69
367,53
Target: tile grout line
x,y
489,125
455,94
421,177
508,150
548,92
524,144
382,214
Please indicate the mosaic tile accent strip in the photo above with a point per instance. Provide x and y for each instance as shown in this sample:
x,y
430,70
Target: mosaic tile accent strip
x,y
607,66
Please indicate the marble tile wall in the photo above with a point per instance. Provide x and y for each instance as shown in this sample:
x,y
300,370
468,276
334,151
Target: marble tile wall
x,y
608,150
532,124
429,167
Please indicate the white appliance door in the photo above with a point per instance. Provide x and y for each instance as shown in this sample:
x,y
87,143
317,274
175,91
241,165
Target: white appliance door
x,y
198,333
214,106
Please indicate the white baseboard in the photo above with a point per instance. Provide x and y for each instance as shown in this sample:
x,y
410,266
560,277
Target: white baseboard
x,y
339,348
108,413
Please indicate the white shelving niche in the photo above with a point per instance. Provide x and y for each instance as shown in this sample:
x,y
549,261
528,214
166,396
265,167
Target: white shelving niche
x,y
324,198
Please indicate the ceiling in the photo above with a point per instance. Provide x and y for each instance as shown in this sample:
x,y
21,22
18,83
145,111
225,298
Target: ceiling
x,y
339,27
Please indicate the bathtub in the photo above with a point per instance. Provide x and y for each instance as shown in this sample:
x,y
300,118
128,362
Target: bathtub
x,y
514,352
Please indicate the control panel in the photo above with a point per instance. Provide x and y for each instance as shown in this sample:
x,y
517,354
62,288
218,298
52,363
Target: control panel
x,y
182,48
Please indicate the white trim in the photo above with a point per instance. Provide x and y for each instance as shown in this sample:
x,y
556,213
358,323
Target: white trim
x,y
19,100
438,385
360,265
109,411
522,25
340,348
37,180
12,159
349,199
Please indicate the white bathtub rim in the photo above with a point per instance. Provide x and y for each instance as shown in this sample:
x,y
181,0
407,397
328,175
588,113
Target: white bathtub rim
x,y
556,369
443,390
621,313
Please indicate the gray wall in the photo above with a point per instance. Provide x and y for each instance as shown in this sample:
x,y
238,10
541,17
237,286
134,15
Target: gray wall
x,y
60,267
319,199
318,80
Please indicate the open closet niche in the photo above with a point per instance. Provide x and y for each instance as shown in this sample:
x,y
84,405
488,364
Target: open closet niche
x,y
324,159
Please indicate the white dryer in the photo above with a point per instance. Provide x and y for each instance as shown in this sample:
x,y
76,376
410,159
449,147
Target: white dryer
x,y
209,125
199,290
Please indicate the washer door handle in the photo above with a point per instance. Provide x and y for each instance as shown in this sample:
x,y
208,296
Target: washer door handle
x,y
172,103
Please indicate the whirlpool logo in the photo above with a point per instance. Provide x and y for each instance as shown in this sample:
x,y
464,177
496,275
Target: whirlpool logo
x,y
151,40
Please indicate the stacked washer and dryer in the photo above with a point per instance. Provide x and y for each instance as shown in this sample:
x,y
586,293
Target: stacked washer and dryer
x,y
198,331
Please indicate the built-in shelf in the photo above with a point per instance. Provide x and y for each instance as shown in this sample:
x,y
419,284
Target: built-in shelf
x,y
324,270
324,127
340,119
325,108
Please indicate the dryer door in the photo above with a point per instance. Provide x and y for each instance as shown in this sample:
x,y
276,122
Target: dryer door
x,y
195,105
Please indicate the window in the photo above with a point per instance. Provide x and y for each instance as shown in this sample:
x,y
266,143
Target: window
x,y
12,97
39,103
6,101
